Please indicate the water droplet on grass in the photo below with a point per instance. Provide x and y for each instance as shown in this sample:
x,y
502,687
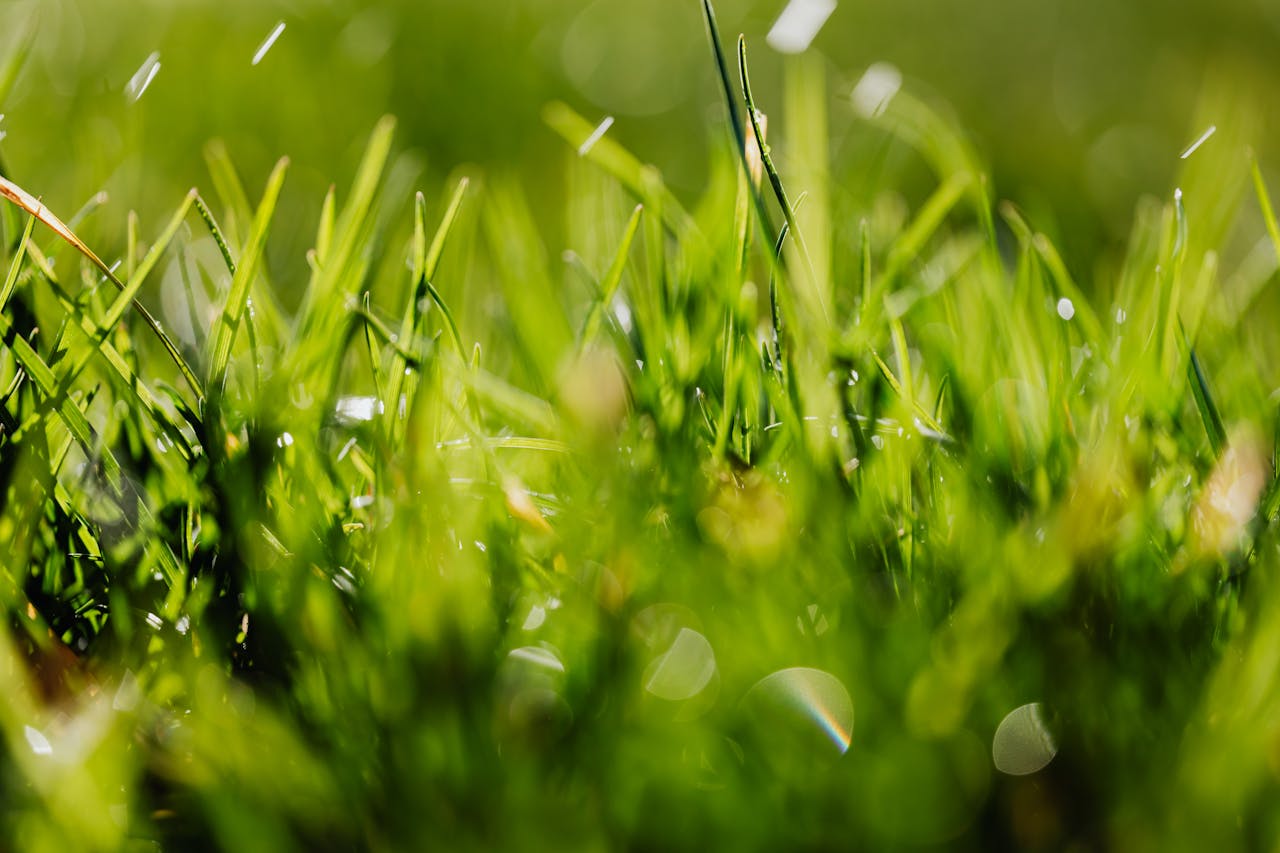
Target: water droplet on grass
x,y
37,741
354,410
802,708
814,621
1201,140
596,136
1022,744
877,87
531,707
682,671
799,24
267,43
142,78
538,658
537,616
1066,308
128,693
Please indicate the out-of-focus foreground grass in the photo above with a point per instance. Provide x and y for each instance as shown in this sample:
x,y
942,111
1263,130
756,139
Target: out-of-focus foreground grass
x,y
511,494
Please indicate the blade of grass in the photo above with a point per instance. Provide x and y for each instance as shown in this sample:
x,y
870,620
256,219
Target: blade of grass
x,y
1205,404
775,181
126,297
13,65
375,357
426,261
1084,312
808,139
227,184
722,66
1264,202
229,322
612,279
120,372
36,208
43,377
342,272
324,231
431,260
263,301
738,127
375,325
928,220
623,165
214,229
15,267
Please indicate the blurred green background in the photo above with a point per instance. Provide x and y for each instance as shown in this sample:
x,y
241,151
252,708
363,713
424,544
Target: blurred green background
x,y
1079,106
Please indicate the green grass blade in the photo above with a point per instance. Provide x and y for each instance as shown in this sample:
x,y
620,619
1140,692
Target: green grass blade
x,y
230,190
214,229
726,79
1264,202
43,377
264,301
426,261
1088,318
129,292
229,322
1205,404
612,279
343,269
328,221
98,343
13,65
15,267
376,326
36,208
626,169
812,298
431,261
350,224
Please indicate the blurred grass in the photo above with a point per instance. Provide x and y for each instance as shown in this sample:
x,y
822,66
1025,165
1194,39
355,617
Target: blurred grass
x,y
522,497
1080,107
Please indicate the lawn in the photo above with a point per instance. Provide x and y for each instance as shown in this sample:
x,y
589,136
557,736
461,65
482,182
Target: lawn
x,y
458,478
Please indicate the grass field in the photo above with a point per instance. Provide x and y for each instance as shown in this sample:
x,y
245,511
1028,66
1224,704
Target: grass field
x,y
559,507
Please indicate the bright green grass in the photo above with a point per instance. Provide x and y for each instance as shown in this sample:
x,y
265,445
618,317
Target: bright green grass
x,y
437,559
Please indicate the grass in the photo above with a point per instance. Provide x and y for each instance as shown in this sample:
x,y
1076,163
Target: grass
x,y
712,535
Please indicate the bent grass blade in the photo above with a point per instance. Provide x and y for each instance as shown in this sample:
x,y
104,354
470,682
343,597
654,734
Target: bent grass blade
x,y
36,208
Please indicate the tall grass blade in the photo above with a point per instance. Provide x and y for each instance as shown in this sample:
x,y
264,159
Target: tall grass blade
x,y
1205,404
612,279
13,65
230,190
1264,202
812,298
233,310
15,266
626,169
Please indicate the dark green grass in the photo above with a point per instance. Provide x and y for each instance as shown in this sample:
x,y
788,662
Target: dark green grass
x,y
398,568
